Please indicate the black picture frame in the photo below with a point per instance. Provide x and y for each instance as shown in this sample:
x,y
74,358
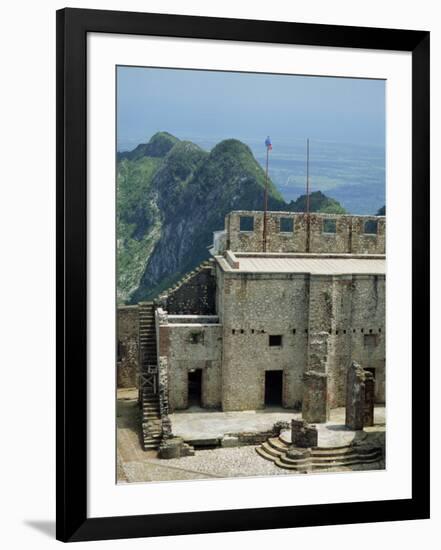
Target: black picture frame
x,y
72,28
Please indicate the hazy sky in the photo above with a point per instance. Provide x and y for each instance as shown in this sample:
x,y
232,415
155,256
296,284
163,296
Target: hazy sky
x,y
219,105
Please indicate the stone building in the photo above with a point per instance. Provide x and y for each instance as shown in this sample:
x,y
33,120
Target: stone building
x,y
245,329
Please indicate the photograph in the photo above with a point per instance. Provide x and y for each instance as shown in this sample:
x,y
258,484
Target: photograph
x,y
250,299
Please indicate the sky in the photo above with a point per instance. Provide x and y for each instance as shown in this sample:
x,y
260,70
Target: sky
x,y
212,105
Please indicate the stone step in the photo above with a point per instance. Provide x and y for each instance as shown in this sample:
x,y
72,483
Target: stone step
x,y
318,466
275,450
271,451
152,436
264,453
277,444
329,461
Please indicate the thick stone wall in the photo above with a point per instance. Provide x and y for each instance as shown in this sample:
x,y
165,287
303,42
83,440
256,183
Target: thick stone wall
x,y
187,347
349,237
194,294
127,346
253,307
368,342
351,309
325,322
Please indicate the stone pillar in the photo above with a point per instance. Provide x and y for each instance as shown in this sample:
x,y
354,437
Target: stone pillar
x,y
369,398
315,407
355,397
303,435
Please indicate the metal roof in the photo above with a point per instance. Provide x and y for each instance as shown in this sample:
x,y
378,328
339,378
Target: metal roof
x,y
314,265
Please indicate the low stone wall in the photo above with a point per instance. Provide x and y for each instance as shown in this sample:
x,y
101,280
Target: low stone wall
x,y
241,439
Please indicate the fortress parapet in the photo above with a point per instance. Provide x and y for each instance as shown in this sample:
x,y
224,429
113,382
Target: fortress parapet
x,y
291,232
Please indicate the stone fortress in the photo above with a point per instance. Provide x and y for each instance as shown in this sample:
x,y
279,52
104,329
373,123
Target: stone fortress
x,y
251,329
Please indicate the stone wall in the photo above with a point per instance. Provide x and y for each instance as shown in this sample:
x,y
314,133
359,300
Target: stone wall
x,y
253,307
351,308
188,347
127,347
350,236
194,294
325,323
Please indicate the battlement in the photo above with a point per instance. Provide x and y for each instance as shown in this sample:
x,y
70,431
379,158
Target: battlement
x,y
292,232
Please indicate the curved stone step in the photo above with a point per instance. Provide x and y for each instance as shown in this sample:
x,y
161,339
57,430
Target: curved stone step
x,y
331,460
277,444
276,450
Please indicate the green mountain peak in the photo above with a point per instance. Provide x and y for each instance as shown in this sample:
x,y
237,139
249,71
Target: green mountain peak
x,y
172,195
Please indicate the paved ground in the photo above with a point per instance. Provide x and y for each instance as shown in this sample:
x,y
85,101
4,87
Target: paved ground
x,y
136,465
198,424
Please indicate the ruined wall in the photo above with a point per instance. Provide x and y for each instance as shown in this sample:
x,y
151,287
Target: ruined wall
x,y
368,322
255,306
187,347
351,308
127,346
194,294
349,237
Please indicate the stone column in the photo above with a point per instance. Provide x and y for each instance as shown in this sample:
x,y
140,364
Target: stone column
x,y
355,397
315,407
369,398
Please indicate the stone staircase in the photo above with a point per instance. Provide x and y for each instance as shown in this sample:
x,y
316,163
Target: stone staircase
x,y
280,452
151,422
149,398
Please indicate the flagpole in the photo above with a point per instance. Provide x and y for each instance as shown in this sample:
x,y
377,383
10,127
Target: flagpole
x,y
308,227
265,201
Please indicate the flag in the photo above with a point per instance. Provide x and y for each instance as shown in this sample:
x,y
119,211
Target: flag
x,y
268,144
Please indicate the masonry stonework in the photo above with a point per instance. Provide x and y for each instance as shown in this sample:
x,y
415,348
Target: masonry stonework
x,y
350,237
127,346
193,345
195,293
355,397
315,406
254,308
313,303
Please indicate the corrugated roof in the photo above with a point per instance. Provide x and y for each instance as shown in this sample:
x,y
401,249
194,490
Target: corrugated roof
x,y
315,266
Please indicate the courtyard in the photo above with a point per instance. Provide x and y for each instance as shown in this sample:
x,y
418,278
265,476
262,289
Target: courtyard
x,y
206,428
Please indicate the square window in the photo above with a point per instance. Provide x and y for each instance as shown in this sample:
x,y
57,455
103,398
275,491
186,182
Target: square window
x,y
197,337
275,340
286,225
246,223
329,225
370,340
370,227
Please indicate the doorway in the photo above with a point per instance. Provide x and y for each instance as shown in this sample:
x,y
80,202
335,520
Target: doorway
x,y
195,388
273,388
